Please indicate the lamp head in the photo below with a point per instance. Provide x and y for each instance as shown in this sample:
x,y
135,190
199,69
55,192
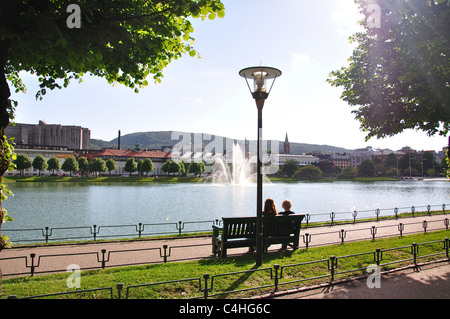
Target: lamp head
x,y
261,76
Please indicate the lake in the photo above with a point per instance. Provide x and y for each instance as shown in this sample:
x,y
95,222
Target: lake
x,y
61,205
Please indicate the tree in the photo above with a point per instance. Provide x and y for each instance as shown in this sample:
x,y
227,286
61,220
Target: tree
x,y
390,161
83,165
70,165
111,165
147,166
97,165
54,164
123,41
171,167
130,166
309,172
196,168
39,163
366,168
398,75
22,162
349,172
289,168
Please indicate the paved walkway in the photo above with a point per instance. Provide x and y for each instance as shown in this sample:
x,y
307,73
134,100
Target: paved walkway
x,y
53,258
430,282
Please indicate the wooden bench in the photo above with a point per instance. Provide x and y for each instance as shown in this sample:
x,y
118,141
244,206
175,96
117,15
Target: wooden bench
x,y
238,232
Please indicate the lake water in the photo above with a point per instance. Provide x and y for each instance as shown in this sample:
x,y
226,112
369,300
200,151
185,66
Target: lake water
x,y
60,205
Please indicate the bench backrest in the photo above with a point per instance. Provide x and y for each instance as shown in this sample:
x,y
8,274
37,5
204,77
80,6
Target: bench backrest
x,y
245,227
239,227
282,225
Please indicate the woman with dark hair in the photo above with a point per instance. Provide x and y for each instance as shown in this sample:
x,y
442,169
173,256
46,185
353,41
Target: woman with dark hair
x,y
269,208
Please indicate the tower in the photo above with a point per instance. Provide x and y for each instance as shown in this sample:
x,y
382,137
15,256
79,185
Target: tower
x,y
287,148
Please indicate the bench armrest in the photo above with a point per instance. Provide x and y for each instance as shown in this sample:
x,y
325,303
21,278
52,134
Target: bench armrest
x,y
216,230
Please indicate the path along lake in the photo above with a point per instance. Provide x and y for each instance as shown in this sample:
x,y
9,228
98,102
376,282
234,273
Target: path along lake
x,y
61,205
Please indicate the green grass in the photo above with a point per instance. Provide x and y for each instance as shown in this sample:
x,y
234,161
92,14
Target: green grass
x,y
113,179
46,284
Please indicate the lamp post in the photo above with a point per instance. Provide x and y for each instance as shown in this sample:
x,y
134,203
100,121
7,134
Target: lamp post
x,y
263,80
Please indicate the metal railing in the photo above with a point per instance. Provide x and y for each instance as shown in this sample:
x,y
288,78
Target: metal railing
x,y
332,267
140,230
102,258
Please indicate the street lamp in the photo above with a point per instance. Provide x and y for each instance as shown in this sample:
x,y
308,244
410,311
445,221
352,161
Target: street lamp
x,y
263,80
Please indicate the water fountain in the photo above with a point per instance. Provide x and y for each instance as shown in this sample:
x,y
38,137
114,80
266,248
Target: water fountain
x,y
240,173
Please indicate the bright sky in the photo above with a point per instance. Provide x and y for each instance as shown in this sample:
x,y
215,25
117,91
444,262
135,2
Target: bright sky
x,y
306,40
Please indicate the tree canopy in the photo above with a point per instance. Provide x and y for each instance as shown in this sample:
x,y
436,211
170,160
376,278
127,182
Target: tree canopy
x,y
399,74
123,41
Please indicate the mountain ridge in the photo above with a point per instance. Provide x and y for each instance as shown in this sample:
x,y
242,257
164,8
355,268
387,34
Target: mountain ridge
x,y
160,139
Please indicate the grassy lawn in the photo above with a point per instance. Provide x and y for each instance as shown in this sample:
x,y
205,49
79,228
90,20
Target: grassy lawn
x,y
46,284
167,179
113,179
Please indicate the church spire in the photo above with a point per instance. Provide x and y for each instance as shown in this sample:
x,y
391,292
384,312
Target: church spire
x,y
287,147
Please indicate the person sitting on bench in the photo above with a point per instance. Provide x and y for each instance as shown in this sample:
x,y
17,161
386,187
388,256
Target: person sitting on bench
x,y
269,208
287,205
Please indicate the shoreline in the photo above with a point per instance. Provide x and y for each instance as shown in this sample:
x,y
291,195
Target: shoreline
x,y
184,179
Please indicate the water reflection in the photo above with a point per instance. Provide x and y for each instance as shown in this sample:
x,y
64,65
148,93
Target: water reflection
x,y
36,205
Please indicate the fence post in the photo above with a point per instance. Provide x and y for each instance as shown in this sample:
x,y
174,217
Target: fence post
x,y
205,290
276,267
307,239
32,256
379,256
332,215
446,247
180,226
165,253
119,287
95,232
46,234
342,234
414,252
443,208
424,225
373,231
332,265
103,258
401,227
140,230
307,218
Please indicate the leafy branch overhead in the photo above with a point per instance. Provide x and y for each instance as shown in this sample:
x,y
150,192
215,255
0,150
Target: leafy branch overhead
x,y
399,74
123,41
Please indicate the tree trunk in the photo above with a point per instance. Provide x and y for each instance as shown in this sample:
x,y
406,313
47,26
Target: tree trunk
x,y
4,121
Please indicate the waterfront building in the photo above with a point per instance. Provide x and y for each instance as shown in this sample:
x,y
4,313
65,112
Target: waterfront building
x,y
47,152
158,157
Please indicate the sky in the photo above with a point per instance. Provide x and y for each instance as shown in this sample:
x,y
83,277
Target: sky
x,y
306,40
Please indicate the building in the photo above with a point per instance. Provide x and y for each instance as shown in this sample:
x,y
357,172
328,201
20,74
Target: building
x,y
158,157
301,159
50,135
287,146
60,153
340,160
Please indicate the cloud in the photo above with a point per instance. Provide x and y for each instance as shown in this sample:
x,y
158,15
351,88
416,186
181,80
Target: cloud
x,y
189,99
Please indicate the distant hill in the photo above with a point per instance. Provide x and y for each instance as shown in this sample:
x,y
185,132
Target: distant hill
x,y
159,139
